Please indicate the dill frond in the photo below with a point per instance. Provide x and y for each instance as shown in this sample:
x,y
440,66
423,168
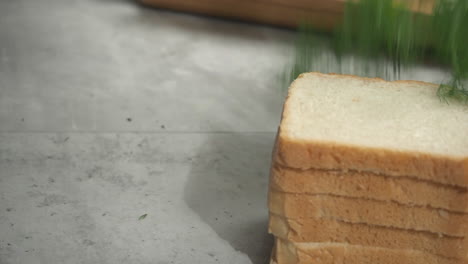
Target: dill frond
x,y
379,31
454,89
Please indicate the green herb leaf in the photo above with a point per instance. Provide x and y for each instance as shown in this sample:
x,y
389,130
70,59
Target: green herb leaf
x,y
377,32
142,217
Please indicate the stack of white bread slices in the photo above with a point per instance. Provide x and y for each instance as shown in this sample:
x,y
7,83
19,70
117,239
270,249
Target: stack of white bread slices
x,y
367,171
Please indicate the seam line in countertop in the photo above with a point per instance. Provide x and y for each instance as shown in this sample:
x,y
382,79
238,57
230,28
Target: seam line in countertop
x,y
137,132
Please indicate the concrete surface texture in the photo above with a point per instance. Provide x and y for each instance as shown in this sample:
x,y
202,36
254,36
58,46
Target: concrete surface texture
x,y
110,111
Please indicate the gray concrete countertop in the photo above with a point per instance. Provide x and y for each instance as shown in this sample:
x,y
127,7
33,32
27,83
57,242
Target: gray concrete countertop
x,y
110,111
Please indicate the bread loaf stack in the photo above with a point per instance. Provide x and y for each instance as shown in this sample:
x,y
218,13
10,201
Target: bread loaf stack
x,y
369,171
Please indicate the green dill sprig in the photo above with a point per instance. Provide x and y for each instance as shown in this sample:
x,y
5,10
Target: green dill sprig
x,y
305,49
451,46
384,34
454,89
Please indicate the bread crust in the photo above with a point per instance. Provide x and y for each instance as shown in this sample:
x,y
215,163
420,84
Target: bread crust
x,y
322,231
339,253
306,155
365,211
403,190
310,154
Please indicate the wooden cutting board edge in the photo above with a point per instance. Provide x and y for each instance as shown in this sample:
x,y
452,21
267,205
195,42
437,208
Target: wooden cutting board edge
x,y
258,11
322,14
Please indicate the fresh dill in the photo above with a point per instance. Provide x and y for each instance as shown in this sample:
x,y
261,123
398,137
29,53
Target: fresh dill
x,y
386,36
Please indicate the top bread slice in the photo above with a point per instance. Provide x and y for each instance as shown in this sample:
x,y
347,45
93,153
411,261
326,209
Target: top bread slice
x,y
396,128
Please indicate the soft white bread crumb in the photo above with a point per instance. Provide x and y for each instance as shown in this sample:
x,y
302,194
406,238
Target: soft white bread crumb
x,y
393,128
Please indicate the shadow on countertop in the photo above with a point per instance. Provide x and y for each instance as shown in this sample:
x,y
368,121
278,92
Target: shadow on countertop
x,y
228,181
228,187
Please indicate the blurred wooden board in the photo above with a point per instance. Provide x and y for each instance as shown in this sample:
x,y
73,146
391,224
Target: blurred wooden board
x,y
323,14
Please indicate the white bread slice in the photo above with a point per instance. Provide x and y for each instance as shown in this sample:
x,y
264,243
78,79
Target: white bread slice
x,y
286,252
365,211
369,185
324,231
393,128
